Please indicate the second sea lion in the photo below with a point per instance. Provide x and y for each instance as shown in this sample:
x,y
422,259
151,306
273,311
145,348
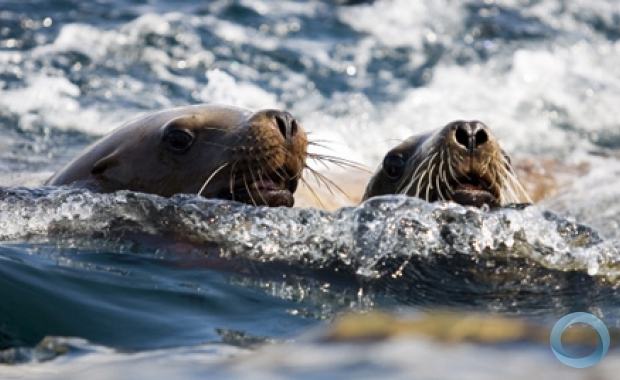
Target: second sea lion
x,y
462,162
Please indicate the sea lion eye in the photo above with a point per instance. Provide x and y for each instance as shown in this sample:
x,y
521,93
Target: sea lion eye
x,y
394,165
178,140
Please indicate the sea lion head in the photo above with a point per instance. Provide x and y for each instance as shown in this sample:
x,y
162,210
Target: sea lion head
x,y
462,162
215,151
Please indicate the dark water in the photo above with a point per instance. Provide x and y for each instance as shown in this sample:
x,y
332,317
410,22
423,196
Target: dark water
x,y
133,285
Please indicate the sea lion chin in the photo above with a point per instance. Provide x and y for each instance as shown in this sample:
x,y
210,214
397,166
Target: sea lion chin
x,y
214,151
462,162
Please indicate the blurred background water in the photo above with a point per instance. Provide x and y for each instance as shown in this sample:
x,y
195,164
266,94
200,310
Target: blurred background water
x,y
361,74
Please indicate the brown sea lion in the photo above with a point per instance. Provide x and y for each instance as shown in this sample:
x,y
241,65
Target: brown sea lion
x,y
215,151
462,162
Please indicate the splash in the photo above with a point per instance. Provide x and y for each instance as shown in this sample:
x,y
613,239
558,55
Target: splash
x,y
375,240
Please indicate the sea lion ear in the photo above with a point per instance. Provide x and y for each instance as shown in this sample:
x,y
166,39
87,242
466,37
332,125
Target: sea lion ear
x,y
104,164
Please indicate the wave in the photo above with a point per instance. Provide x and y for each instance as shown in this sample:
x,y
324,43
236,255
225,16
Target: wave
x,y
392,243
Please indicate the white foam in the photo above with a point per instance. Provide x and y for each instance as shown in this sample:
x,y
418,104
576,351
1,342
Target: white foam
x,y
284,7
96,42
405,22
223,88
53,98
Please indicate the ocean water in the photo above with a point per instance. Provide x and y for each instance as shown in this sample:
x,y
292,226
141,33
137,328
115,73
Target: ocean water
x,y
131,285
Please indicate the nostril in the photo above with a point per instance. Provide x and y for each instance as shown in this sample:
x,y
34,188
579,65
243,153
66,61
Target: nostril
x,y
294,127
283,125
481,137
462,136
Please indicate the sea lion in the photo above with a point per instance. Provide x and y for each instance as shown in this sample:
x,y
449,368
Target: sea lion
x,y
462,162
211,150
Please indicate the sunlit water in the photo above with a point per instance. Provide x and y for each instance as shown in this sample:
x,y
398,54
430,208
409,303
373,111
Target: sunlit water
x,y
135,284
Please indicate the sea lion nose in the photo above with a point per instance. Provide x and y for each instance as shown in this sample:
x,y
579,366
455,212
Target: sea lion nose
x,y
286,123
471,135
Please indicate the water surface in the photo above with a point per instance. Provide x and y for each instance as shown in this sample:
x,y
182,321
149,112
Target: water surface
x,y
126,283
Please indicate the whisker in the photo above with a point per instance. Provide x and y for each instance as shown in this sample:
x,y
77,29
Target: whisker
x,y
420,181
260,194
314,194
519,187
429,186
317,180
329,183
247,188
423,174
415,171
320,145
443,198
341,162
444,174
211,177
333,158
440,177
322,162
508,193
510,171
323,140
514,198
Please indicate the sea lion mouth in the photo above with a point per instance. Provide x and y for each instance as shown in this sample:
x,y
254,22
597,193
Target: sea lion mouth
x,y
474,190
273,190
264,193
